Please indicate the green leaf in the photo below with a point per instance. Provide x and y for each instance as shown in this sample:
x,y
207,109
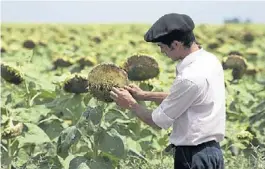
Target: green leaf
x,y
122,126
101,162
67,138
147,132
57,101
47,94
134,148
52,126
260,106
146,86
122,129
75,105
4,117
85,123
72,108
245,109
84,145
41,161
163,141
83,166
112,144
258,113
146,143
156,145
42,81
95,114
87,98
135,127
8,99
32,115
44,96
87,128
21,158
5,160
34,135
113,114
48,149
79,162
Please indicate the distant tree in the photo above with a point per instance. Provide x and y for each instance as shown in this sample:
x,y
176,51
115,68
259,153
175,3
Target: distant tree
x,y
233,20
236,21
248,21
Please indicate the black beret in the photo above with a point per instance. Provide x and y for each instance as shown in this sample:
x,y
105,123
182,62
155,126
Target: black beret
x,y
166,24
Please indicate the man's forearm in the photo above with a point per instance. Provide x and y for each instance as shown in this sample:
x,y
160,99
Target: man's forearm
x,y
144,114
157,97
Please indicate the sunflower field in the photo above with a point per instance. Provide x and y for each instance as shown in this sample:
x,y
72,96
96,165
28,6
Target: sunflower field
x,y
51,120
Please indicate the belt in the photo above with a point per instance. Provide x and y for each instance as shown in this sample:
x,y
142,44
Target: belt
x,y
172,146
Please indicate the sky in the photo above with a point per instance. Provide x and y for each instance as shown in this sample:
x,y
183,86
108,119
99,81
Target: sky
x,y
81,11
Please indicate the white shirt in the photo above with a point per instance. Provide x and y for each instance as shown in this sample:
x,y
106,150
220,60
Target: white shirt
x,y
195,106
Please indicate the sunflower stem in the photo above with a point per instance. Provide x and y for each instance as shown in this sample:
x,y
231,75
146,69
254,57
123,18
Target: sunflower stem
x,y
9,166
9,154
28,94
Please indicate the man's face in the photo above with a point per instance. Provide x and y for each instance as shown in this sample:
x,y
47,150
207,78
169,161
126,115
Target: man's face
x,y
173,52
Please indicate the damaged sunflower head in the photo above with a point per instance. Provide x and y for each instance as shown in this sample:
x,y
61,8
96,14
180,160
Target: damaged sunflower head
x,y
141,67
103,77
244,135
29,44
11,74
62,62
12,131
86,61
234,52
248,37
75,84
237,63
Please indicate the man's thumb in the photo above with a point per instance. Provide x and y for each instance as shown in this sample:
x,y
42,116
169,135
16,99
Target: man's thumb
x,y
128,88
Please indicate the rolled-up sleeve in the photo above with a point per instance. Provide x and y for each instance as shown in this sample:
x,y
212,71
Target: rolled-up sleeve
x,y
182,94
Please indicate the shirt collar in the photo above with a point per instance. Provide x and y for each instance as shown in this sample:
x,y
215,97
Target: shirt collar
x,y
188,60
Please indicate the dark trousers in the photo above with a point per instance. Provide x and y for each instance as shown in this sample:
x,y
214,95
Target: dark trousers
x,y
204,156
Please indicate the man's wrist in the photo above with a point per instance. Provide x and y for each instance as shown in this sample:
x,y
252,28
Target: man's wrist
x,y
143,96
134,106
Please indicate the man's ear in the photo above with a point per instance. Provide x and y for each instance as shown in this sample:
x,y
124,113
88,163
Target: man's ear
x,y
174,45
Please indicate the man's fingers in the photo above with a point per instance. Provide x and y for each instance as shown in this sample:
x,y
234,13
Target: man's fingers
x,y
132,85
113,95
116,90
121,89
128,88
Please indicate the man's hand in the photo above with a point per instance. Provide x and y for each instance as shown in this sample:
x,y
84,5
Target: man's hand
x,y
142,95
135,91
122,98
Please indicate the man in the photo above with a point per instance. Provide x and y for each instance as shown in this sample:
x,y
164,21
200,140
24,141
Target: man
x,y
195,104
